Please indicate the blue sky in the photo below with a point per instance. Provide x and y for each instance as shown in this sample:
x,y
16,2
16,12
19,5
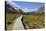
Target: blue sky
x,y
27,6
32,5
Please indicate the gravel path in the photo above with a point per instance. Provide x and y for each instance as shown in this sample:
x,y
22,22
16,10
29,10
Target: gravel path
x,y
18,24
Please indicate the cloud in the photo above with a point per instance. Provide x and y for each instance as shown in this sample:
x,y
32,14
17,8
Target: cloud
x,y
36,9
25,9
13,4
28,9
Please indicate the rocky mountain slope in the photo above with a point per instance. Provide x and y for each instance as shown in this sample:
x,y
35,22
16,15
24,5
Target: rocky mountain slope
x,y
16,9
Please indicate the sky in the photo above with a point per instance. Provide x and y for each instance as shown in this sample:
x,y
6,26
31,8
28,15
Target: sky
x,y
27,6
32,5
28,0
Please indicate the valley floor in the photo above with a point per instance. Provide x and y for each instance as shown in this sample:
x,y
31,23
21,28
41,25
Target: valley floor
x,y
33,21
30,21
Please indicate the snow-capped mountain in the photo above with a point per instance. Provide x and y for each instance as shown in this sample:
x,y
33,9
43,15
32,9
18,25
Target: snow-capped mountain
x,y
40,10
10,7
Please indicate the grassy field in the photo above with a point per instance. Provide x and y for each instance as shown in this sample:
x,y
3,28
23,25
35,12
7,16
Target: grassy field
x,y
10,18
33,21
30,21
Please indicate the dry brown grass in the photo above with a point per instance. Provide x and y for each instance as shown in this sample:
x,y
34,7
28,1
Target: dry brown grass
x,y
33,21
10,18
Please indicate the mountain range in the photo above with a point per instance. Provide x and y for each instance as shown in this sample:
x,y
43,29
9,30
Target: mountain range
x,y
10,8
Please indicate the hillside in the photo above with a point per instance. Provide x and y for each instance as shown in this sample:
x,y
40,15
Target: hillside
x,y
40,10
10,9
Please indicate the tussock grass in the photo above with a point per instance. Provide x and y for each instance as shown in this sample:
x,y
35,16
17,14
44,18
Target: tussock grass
x,y
33,21
10,19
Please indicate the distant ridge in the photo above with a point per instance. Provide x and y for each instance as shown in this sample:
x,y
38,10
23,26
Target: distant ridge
x,y
10,9
40,10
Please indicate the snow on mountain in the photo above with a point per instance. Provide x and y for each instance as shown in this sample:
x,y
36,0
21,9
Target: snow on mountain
x,y
40,10
16,8
12,7
12,4
28,10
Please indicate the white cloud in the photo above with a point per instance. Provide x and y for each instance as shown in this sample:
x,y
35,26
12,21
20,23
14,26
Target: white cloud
x,y
36,9
13,4
25,9
28,9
